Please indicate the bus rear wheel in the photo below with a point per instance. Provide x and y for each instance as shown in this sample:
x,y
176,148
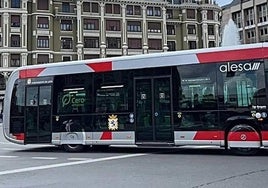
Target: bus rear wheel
x,y
244,151
73,147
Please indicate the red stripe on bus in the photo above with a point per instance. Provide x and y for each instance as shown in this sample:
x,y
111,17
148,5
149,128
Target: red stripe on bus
x,y
19,136
209,135
30,73
106,136
243,136
232,55
101,67
264,135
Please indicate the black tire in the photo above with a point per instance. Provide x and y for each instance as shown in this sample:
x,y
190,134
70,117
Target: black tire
x,y
73,147
244,151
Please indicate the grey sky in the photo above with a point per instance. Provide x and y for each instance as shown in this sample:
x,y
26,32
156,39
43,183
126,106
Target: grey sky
x,y
223,2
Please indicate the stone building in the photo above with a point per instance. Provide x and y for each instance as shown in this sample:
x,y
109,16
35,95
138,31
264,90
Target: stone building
x,y
48,31
251,18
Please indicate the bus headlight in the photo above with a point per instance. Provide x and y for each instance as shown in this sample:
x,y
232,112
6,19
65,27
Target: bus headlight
x,y
263,114
258,115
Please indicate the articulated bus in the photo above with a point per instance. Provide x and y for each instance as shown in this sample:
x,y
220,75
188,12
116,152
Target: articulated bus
x,y
203,97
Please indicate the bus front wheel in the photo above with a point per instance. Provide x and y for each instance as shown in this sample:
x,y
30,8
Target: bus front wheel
x,y
243,139
73,147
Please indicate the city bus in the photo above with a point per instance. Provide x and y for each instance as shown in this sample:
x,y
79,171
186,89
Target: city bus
x,y
214,97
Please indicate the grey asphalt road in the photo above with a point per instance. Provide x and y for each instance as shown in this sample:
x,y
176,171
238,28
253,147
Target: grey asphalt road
x,y
48,166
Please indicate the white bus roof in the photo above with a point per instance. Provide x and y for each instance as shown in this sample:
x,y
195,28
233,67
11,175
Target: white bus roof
x,y
205,55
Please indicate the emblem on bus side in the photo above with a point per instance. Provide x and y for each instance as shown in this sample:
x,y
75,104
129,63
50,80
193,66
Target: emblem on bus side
x,y
29,81
113,122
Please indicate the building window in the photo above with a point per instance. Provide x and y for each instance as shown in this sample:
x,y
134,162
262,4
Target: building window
x,y
134,26
65,7
191,29
250,34
42,58
133,10
153,11
169,13
66,58
171,45
1,41
263,31
210,29
112,9
42,42
150,11
191,13
42,4
15,3
192,44
95,8
117,9
66,43
2,81
210,14
109,8
211,44
137,10
42,22
237,19
91,42
262,13
15,40
154,27
90,7
66,25
171,30
129,10
249,17
89,56
15,60
113,25
91,24
86,6
155,44
134,43
15,21
114,43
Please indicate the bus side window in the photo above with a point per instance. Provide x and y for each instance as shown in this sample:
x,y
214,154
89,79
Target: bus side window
x,y
259,97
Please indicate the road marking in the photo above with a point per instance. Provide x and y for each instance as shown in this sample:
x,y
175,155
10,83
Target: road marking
x,y
7,143
20,170
45,158
11,149
8,156
79,159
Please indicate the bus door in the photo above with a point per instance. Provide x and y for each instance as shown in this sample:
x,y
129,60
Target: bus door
x,y
38,114
153,110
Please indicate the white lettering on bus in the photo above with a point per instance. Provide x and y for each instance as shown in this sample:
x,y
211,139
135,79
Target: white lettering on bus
x,y
239,67
258,107
68,99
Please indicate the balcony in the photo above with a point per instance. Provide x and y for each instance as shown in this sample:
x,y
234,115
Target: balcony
x,y
71,13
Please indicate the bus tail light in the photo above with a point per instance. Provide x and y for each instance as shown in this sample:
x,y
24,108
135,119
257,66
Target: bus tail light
x,y
19,136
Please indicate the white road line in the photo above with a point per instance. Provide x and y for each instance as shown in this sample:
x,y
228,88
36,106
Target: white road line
x,y
45,158
8,156
7,143
11,149
5,172
79,159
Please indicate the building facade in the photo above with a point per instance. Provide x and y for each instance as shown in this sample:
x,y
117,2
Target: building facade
x,y
47,31
250,17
